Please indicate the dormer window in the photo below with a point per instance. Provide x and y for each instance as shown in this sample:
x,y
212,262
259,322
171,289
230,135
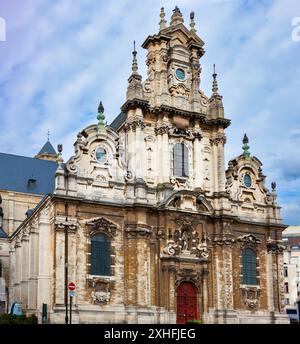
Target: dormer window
x,y
31,183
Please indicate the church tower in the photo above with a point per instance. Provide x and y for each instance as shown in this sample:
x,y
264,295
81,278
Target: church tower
x,y
167,121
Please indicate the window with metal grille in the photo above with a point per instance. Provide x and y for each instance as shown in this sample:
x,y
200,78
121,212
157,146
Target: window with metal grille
x,y
181,160
249,267
100,255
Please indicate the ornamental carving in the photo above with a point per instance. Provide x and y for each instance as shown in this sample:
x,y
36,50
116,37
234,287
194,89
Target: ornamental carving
x,y
100,297
162,130
188,275
274,246
185,241
224,241
135,231
218,140
61,224
248,239
103,225
250,296
134,125
100,293
179,90
181,183
182,132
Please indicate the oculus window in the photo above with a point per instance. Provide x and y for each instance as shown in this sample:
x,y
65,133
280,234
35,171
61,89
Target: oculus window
x,y
101,155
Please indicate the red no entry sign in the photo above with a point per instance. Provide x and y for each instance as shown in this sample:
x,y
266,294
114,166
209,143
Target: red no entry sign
x,y
72,286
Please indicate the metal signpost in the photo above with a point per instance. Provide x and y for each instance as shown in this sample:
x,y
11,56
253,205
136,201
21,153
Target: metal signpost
x,y
71,288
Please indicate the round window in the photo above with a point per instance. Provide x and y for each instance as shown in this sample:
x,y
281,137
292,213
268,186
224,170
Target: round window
x,y
180,74
101,155
247,180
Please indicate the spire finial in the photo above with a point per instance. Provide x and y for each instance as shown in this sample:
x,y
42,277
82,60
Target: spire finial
x,y
246,146
134,66
60,159
101,116
48,135
215,82
192,23
163,22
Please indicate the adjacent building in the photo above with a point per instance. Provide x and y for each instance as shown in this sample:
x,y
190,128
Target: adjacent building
x,y
291,256
145,218
24,181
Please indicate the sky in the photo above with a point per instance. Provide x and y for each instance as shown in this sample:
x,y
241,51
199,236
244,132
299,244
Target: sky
x,y
61,57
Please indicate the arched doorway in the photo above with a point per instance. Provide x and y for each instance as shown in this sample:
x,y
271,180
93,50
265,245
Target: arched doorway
x,y
187,308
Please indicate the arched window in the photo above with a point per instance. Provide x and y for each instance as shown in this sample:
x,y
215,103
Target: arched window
x,y
181,160
249,267
100,255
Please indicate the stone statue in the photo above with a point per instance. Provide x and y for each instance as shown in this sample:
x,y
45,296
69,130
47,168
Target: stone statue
x,y
184,241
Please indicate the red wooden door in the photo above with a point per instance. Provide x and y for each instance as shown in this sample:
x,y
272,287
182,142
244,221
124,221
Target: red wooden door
x,y
186,303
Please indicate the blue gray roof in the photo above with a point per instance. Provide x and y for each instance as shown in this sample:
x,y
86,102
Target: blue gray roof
x,y
24,174
118,121
48,149
3,234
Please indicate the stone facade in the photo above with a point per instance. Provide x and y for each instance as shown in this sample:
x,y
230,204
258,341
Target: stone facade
x,y
165,230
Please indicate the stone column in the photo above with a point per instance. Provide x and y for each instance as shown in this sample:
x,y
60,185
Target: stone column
x,y
205,293
159,158
215,166
165,155
139,145
269,281
198,170
25,270
72,265
59,266
221,165
45,286
142,278
18,271
33,268
11,213
227,274
12,272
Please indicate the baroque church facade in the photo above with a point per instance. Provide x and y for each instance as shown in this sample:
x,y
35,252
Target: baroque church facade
x,y
146,220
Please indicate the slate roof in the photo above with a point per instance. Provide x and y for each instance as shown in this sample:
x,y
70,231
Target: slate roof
x,y
3,234
48,149
118,121
28,175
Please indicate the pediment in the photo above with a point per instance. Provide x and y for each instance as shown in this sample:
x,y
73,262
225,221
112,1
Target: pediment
x,y
188,201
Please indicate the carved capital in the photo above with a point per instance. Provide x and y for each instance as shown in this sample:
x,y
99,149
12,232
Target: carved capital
x,y
275,246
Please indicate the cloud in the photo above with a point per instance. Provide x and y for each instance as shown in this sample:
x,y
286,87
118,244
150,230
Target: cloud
x,y
62,57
